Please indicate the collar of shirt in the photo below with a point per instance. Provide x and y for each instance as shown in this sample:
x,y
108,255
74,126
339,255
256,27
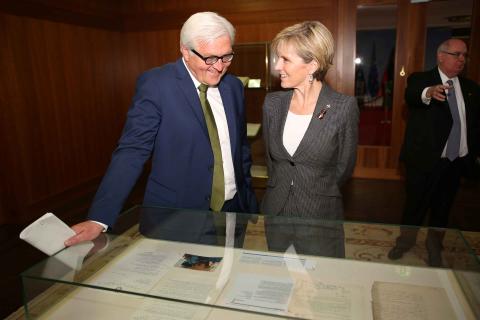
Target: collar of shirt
x,y
196,83
444,78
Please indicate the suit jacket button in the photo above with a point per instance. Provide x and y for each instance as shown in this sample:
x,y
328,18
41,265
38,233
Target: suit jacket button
x,y
207,198
292,163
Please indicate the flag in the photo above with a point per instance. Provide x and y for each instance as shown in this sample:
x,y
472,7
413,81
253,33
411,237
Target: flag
x,y
386,87
372,83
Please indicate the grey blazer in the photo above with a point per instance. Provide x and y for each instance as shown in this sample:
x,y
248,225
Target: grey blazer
x,y
323,161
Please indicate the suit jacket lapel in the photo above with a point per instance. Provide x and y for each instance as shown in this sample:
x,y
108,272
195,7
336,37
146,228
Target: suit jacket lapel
x,y
282,118
324,105
190,93
229,107
467,95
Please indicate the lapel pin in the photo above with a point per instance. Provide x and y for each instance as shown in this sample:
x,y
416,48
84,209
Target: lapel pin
x,y
322,112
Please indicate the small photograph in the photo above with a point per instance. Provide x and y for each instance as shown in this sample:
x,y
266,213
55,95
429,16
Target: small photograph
x,y
194,262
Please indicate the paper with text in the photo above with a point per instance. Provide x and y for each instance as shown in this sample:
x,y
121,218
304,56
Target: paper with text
x,y
138,270
313,299
392,301
261,293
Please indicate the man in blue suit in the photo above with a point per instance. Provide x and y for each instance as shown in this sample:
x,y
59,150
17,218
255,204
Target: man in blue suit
x,y
166,122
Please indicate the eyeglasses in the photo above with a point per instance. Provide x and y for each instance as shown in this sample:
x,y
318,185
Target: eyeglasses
x,y
213,59
457,55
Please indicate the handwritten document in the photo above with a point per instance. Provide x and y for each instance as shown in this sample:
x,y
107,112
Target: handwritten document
x,y
392,301
182,286
138,270
313,299
156,309
263,293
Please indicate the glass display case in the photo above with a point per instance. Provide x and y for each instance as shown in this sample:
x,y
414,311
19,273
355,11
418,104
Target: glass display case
x,y
190,264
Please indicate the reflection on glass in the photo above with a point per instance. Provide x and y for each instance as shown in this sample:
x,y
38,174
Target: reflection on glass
x,y
374,72
305,236
213,265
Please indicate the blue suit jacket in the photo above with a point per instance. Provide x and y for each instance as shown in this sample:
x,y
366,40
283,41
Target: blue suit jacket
x,y
166,121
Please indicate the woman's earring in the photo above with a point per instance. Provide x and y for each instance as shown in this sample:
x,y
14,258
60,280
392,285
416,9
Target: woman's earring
x,y
310,78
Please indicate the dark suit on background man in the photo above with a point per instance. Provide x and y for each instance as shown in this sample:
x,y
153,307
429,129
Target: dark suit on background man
x,y
432,180
426,135
166,122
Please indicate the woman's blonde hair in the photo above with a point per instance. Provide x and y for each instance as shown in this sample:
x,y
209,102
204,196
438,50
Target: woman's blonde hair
x,y
312,41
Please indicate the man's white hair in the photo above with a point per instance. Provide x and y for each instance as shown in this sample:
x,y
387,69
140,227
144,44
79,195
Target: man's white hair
x,y
205,27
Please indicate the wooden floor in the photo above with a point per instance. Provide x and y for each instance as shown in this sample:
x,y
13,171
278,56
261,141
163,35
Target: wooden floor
x,y
365,200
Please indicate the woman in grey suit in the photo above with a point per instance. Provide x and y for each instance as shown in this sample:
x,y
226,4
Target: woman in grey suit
x,y
310,131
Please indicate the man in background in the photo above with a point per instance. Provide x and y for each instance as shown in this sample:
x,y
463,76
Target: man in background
x,y
441,144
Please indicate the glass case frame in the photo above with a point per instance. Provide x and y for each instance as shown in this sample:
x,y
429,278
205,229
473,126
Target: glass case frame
x,y
190,264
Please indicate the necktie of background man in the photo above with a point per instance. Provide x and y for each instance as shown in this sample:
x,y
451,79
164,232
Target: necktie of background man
x,y
218,186
453,144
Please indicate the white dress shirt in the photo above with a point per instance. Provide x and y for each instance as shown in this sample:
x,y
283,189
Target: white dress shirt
x,y
461,110
295,127
215,101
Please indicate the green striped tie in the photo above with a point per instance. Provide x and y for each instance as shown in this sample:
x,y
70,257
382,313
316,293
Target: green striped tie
x,y
218,186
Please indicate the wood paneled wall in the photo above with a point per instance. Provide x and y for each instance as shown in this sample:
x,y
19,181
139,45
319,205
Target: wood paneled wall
x,y
474,50
104,14
67,76
62,107
382,162
410,48
68,70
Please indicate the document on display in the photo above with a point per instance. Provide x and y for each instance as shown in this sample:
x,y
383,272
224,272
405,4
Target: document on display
x,y
169,310
313,299
137,271
261,293
400,301
187,287
276,261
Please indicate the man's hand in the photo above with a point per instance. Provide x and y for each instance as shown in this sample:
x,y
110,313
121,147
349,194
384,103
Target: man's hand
x,y
437,92
85,231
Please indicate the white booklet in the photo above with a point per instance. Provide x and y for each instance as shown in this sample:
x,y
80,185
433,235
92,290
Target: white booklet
x,y
48,234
